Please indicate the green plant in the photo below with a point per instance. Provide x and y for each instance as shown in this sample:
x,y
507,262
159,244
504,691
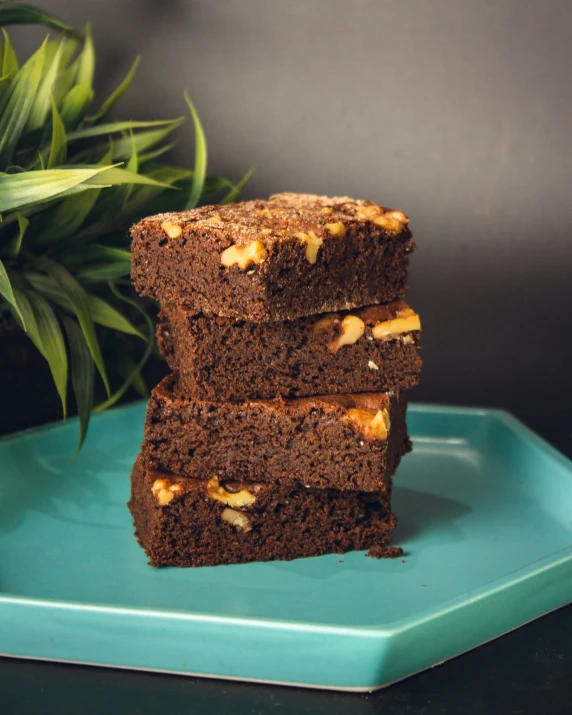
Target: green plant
x,y
71,184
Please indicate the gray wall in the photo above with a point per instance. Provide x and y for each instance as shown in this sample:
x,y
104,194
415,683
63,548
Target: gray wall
x,y
457,111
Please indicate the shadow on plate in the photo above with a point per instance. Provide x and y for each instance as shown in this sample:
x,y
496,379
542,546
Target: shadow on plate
x,y
57,485
420,514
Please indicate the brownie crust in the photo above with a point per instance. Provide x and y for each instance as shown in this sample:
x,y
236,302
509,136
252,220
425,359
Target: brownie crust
x,y
311,254
282,521
321,441
222,359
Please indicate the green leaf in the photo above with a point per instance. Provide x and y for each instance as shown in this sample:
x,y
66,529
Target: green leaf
x,y
101,312
114,176
142,197
68,216
113,127
43,99
143,141
25,315
133,167
214,185
31,187
28,15
80,304
4,84
170,174
137,369
75,106
86,64
7,293
107,158
44,331
133,163
236,190
17,103
116,95
156,153
88,257
82,375
70,44
129,370
200,158
104,314
103,272
48,287
9,59
58,147
15,244
65,80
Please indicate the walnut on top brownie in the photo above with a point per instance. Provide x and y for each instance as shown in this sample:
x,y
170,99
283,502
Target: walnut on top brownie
x,y
291,256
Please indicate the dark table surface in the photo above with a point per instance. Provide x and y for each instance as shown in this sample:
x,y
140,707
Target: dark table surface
x,y
528,671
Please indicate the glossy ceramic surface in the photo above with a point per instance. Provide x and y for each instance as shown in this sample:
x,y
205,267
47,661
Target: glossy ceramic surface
x,y
485,510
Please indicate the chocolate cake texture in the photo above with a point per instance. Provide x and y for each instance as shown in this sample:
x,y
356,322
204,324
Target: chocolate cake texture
x,y
374,349
291,256
350,442
281,426
205,522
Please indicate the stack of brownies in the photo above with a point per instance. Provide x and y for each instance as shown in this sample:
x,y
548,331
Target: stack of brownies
x,y
280,428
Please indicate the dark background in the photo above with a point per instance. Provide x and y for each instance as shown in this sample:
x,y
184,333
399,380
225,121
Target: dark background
x,y
459,113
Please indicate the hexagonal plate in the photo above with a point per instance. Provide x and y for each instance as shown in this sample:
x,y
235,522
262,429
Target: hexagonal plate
x,y
485,520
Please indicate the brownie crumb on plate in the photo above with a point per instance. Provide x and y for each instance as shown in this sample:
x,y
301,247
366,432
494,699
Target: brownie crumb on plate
x,y
384,552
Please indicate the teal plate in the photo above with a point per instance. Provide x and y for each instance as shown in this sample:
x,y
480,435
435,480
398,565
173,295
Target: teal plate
x,y
485,509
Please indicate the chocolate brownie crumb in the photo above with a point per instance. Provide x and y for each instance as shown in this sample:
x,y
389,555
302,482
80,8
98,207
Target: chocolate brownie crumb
x,y
384,552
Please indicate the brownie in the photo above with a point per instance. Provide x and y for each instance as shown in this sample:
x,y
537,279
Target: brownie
x,y
340,441
373,349
195,522
291,256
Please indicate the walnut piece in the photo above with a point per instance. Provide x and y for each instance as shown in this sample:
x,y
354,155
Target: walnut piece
x,y
243,256
236,499
392,221
399,215
164,491
237,519
405,321
171,229
336,229
372,365
352,330
375,424
313,244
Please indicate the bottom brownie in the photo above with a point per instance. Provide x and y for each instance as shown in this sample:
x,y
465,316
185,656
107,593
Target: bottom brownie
x,y
194,522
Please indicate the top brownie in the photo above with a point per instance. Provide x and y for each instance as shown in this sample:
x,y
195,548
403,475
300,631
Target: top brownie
x,y
291,256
